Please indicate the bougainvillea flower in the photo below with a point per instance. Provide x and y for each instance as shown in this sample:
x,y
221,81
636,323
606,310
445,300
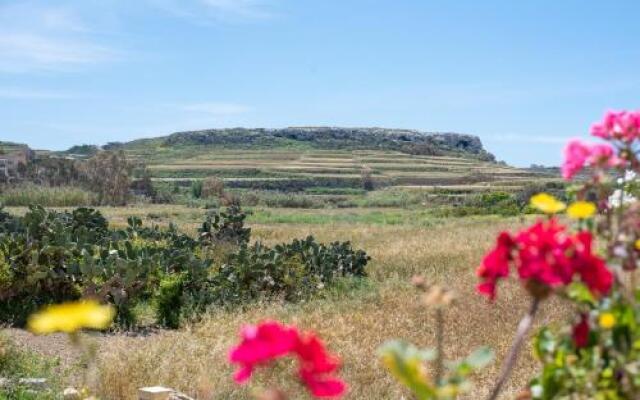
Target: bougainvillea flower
x,y
271,340
575,157
547,256
581,210
581,331
547,203
618,125
578,154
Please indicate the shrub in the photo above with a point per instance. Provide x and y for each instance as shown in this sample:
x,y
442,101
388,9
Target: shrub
x,y
169,301
212,187
225,226
196,189
367,179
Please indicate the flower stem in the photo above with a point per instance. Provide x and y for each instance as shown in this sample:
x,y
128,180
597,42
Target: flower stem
x,y
440,344
512,356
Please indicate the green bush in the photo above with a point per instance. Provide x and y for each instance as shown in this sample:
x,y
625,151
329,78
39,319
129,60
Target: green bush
x,y
169,301
498,203
196,189
51,257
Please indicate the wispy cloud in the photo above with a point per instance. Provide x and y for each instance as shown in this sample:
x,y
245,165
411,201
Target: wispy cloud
x,y
36,37
29,94
216,108
205,11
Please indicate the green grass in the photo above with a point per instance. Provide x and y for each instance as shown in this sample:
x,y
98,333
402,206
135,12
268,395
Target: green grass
x,y
16,363
63,196
351,216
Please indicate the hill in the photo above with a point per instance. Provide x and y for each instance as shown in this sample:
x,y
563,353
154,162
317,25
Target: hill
x,y
317,158
326,138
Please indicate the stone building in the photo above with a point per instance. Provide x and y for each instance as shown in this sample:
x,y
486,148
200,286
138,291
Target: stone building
x,y
10,160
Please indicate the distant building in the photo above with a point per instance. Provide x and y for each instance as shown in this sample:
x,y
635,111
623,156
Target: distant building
x,y
10,160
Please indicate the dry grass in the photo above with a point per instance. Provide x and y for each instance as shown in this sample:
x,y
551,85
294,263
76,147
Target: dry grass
x,y
353,324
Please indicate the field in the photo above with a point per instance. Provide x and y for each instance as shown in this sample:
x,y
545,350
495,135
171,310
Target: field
x,y
312,168
354,321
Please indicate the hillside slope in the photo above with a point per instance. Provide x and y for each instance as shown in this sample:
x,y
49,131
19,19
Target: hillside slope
x,y
300,158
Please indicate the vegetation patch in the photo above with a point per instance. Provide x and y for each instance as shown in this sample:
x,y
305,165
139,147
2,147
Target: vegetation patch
x,y
51,257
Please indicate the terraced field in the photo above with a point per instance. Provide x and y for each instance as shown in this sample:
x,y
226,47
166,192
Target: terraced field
x,y
296,170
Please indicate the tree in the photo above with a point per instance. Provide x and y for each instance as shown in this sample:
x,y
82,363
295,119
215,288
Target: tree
x,y
108,175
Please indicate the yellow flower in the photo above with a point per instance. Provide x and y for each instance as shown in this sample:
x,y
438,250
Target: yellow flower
x,y
547,203
581,210
71,317
637,244
607,320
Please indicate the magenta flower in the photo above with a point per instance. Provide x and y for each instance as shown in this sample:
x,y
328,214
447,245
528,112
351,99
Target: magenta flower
x,y
271,340
618,125
578,154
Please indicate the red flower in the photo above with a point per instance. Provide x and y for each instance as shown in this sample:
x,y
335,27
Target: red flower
x,y
271,340
581,332
544,254
316,365
592,269
495,265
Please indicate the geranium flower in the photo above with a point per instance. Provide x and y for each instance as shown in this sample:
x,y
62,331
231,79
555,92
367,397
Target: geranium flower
x,y
71,317
316,365
547,203
271,340
581,332
581,210
261,344
545,256
495,265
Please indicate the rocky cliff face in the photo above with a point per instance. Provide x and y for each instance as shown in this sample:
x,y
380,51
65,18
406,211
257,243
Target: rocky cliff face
x,y
405,140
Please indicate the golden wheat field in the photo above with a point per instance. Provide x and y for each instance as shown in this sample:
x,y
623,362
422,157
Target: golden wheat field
x,y
353,322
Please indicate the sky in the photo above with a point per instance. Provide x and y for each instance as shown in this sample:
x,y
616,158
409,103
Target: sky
x,y
523,76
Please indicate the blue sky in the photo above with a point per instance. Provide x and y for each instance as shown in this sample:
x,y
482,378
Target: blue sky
x,y
524,76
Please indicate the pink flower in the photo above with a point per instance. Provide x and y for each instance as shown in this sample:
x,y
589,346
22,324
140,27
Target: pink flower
x,y
618,125
271,340
575,157
578,154
261,344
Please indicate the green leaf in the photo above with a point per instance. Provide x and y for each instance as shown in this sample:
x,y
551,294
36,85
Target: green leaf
x,y
480,357
580,293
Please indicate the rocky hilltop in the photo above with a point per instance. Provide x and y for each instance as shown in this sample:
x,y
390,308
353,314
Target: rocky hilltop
x,y
404,140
